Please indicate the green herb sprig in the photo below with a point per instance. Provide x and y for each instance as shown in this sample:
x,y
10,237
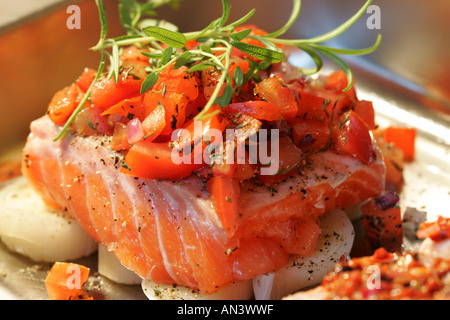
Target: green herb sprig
x,y
217,41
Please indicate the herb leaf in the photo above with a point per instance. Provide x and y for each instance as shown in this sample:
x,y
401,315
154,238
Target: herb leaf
x,y
225,98
149,82
171,38
257,52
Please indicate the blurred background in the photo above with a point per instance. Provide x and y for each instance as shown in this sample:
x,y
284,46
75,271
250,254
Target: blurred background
x,y
40,55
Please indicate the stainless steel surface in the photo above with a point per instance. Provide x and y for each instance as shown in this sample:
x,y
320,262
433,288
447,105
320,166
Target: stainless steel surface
x,y
407,78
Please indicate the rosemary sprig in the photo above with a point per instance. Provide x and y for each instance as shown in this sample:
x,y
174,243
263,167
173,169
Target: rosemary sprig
x,y
217,41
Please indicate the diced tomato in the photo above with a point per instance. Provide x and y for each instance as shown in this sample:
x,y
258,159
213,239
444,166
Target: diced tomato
x,y
90,122
382,220
223,169
129,108
151,160
63,104
337,82
310,135
351,136
244,169
216,121
210,77
275,91
119,140
224,162
174,105
65,281
320,104
86,78
289,159
365,110
244,125
154,123
178,81
261,110
106,92
225,198
403,138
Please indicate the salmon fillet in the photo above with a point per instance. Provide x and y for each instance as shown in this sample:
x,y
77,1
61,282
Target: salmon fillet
x,y
168,231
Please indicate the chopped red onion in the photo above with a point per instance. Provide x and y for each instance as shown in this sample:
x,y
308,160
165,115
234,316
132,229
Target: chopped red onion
x,y
135,131
307,141
388,199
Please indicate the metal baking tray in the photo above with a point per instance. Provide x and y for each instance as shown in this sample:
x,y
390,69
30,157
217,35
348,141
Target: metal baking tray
x,y
403,93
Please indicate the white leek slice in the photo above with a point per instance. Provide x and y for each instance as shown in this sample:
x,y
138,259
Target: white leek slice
x,y
30,228
110,267
234,291
335,240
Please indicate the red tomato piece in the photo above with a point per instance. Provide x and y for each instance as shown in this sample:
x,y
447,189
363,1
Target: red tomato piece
x,y
119,140
320,104
174,105
151,160
275,91
225,198
178,81
63,104
351,136
106,92
154,124
337,82
85,80
216,121
90,122
365,110
261,110
310,135
289,159
129,108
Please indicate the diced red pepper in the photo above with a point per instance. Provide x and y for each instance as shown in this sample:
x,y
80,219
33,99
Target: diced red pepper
x,y
65,281
403,138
